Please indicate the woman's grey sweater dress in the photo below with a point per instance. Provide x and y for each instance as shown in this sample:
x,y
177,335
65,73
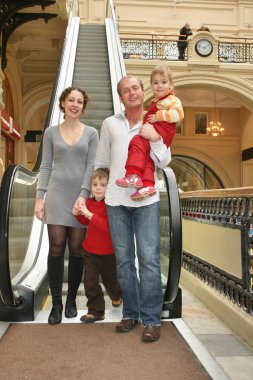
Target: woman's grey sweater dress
x,y
65,173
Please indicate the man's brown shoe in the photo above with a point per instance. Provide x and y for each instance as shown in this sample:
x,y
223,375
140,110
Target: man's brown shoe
x,y
126,325
151,333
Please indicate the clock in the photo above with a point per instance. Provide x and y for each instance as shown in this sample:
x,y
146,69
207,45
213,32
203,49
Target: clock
x,y
204,47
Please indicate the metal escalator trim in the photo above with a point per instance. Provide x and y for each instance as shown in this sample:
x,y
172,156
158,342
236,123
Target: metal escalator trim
x,y
175,261
8,296
6,291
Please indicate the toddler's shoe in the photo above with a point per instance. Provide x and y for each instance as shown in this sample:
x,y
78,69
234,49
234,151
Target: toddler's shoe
x,y
143,193
91,318
131,180
116,303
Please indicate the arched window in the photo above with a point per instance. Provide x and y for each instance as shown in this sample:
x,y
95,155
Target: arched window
x,y
193,175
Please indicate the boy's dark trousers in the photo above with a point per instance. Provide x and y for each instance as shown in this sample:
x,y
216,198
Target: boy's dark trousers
x,y
94,267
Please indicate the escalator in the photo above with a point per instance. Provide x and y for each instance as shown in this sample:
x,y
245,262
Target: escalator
x,y
92,73
92,59
24,245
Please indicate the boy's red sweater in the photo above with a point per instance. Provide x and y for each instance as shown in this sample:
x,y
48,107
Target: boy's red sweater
x,y
98,239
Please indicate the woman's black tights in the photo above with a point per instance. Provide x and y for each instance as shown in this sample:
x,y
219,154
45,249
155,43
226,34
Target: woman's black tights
x,y
58,238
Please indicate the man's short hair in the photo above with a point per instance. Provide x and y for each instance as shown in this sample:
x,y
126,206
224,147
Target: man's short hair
x,y
128,77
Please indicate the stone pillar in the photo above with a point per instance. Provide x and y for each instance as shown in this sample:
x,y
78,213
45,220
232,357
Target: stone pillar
x,y
1,90
1,108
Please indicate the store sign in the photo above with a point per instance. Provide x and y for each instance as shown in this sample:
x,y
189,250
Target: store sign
x,y
9,126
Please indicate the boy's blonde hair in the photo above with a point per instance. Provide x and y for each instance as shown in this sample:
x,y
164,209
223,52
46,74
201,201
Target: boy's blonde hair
x,y
101,173
163,70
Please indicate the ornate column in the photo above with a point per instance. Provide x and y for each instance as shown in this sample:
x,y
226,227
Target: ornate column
x,y
1,108
1,92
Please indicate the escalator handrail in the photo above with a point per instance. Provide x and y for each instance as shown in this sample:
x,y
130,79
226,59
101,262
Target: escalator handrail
x,y
7,184
116,61
175,260
118,47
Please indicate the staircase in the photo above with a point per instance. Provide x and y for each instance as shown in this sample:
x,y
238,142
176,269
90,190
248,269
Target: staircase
x,y
92,73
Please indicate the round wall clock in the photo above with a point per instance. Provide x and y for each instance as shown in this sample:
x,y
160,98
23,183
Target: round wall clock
x,y
204,47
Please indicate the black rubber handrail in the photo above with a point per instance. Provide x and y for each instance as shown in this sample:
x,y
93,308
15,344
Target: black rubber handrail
x,y
6,291
175,233
5,196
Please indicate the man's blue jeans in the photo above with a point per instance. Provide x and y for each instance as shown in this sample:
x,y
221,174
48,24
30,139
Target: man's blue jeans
x,y
141,299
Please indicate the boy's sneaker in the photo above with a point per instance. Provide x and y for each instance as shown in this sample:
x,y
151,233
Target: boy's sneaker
x,y
116,303
131,180
91,318
143,193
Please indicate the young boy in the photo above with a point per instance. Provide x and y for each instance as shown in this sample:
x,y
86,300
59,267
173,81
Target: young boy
x,y
165,111
99,258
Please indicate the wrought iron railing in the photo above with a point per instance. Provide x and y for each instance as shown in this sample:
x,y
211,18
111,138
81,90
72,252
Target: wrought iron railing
x,y
143,46
222,210
150,47
239,50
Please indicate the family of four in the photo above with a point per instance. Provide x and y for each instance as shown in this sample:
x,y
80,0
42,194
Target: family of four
x,y
108,184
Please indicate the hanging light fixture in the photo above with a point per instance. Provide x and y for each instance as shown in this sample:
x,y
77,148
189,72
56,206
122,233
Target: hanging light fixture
x,y
215,128
176,2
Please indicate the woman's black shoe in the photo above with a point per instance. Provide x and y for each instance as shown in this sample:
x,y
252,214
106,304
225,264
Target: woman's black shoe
x,y
70,309
56,314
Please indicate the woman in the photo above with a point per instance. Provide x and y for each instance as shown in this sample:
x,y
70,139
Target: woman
x,y
65,174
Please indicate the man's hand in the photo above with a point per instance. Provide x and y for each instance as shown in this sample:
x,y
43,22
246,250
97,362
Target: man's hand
x,y
147,131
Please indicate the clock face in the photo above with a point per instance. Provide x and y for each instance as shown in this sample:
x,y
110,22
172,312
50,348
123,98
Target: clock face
x,y
204,47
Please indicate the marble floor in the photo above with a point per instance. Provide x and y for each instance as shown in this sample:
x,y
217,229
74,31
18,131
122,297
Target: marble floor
x,y
222,353
233,355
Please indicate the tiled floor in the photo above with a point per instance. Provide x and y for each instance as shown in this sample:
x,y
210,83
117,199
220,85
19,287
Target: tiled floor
x,y
223,354
234,356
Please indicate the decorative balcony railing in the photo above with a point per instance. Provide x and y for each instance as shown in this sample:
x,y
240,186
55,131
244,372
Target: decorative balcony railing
x,y
143,46
239,50
218,241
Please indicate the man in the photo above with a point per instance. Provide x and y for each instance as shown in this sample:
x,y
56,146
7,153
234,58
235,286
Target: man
x,y
184,32
134,222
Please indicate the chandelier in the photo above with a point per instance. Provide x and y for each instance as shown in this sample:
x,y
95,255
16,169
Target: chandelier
x,y
215,128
